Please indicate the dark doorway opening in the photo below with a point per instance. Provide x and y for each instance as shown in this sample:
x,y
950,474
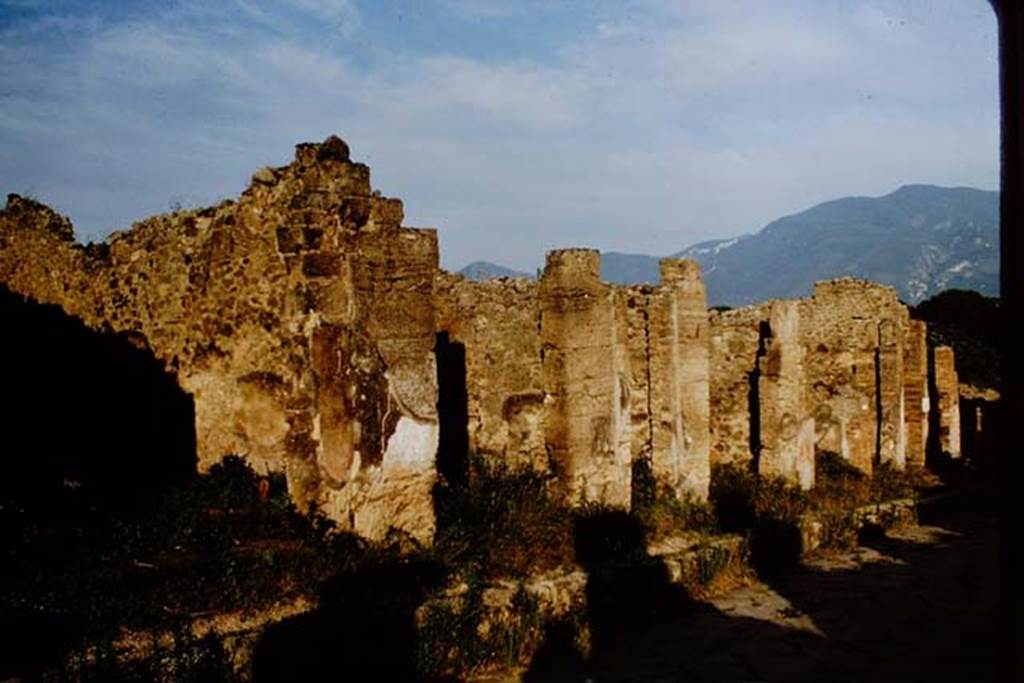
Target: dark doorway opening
x,y
754,395
452,414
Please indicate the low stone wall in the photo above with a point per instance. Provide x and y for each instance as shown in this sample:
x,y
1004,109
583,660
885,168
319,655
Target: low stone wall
x,y
510,618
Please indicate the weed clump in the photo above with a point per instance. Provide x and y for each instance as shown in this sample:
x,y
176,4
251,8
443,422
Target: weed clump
x,y
503,523
661,512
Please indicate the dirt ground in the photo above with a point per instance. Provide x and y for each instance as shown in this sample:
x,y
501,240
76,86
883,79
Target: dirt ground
x,y
916,605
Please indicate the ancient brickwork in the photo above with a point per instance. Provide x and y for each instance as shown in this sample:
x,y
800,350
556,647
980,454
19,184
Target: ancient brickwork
x,y
852,332
679,386
947,394
737,347
307,324
585,371
498,323
583,378
641,425
299,318
758,411
915,391
787,432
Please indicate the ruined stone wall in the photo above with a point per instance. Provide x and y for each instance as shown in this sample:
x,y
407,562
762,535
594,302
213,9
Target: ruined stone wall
x,y
498,323
586,378
833,372
679,386
787,432
299,318
852,332
758,411
737,345
303,320
915,391
641,426
947,400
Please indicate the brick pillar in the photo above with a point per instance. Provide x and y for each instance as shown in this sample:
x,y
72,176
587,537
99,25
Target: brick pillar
x,y
679,343
586,378
915,392
787,433
947,386
891,448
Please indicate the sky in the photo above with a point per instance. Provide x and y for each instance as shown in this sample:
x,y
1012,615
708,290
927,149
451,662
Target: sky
x,y
513,127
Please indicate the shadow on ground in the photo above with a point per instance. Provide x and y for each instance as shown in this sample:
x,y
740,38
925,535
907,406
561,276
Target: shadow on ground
x,y
94,428
923,610
364,628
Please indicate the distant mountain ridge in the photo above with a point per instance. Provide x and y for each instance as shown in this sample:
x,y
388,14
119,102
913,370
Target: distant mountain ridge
x,y
920,239
485,270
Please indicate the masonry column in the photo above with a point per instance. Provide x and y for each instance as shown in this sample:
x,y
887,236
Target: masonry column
x,y
947,388
679,385
891,447
586,379
915,391
787,433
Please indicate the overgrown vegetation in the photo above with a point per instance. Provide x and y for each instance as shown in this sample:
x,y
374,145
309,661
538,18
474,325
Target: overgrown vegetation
x,y
229,540
774,511
661,512
232,540
466,635
503,523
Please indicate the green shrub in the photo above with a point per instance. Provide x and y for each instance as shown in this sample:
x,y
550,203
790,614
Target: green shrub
x,y
505,523
741,498
459,638
660,510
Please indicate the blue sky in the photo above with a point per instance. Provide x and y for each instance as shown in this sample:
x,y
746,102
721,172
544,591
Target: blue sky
x,y
512,127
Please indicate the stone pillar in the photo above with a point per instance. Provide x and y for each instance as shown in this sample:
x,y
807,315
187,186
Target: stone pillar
x,y
638,302
679,383
915,391
787,434
947,389
378,419
586,376
891,448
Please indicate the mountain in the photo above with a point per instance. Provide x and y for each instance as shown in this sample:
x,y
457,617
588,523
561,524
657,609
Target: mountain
x,y
485,270
629,269
920,239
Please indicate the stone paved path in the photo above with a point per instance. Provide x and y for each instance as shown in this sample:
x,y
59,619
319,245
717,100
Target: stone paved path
x,y
917,605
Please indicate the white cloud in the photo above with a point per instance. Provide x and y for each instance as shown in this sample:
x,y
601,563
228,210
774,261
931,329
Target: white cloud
x,y
342,14
653,129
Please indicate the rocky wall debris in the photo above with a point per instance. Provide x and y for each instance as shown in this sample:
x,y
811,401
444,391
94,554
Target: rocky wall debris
x,y
299,318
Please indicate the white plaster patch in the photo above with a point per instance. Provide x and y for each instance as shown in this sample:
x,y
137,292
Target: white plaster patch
x,y
412,446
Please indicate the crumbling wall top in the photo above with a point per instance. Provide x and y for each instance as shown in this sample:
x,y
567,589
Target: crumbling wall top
x,y
852,286
572,269
31,214
679,270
